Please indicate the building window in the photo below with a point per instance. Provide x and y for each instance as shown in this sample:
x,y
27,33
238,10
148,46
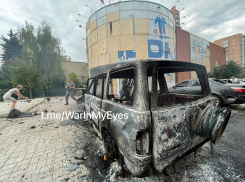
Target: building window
x,y
83,78
233,50
233,39
225,43
233,47
226,57
233,43
233,58
217,44
233,54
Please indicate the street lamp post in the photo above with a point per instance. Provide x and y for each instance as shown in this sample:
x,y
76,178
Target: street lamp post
x,y
83,16
174,4
82,26
80,21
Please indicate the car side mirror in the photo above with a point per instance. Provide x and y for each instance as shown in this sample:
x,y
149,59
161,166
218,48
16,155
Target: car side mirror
x,y
174,87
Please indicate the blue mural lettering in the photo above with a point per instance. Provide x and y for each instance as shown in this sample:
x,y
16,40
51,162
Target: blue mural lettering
x,y
126,56
160,48
130,54
167,49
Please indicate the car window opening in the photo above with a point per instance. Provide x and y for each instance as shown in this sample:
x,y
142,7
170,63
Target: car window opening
x,y
184,92
121,87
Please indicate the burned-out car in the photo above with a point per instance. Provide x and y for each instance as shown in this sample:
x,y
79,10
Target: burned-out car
x,y
153,127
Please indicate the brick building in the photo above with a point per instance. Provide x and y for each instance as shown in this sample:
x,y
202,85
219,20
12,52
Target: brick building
x,y
191,48
234,47
176,15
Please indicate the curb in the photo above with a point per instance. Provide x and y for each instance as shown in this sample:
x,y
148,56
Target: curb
x,y
4,116
35,105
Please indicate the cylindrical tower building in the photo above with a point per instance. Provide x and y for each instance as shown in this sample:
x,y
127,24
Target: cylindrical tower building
x,y
129,31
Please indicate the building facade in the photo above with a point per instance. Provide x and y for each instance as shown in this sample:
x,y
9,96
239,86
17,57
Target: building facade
x,y
176,15
79,68
129,31
191,48
234,47
133,30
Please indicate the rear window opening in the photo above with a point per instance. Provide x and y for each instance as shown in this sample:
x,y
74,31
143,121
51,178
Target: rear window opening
x,y
185,91
121,86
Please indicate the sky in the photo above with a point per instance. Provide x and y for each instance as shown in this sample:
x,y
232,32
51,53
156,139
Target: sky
x,y
208,19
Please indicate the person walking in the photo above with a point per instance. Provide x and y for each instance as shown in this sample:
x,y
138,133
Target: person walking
x,y
70,86
12,96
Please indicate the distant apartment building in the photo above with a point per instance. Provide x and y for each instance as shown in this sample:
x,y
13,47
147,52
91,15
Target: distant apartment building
x,y
234,47
176,15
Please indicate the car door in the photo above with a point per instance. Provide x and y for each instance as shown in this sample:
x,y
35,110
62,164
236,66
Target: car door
x,y
89,94
171,117
194,87
97,99
180,87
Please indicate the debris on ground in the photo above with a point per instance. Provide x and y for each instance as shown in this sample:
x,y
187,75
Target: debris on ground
x,y
84,177
80,158
65,180
72,167
17,114
114,171
33,127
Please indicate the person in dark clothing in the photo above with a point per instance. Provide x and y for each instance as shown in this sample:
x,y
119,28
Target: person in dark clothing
x,y
70,90
125,89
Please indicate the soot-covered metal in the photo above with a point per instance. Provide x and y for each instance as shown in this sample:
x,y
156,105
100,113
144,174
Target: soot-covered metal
x,y
160,126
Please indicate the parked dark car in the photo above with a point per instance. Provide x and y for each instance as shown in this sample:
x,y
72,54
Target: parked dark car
x,y
160,127
224,92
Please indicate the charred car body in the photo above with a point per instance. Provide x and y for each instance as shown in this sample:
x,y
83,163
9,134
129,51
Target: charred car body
x,y
160,126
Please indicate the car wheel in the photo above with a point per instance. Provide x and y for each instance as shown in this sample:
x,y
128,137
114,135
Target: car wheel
x,y
112,152
217,101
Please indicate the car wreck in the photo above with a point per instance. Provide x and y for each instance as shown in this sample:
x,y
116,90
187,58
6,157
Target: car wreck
x,y
161,126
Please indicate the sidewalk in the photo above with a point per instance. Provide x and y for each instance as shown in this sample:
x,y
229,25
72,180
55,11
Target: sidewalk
x,y
22,105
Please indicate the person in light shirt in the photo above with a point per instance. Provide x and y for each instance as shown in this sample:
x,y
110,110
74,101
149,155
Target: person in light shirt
x,y
234,80
12,96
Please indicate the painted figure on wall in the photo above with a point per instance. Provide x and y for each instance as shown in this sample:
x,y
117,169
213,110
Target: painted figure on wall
x,y
160,22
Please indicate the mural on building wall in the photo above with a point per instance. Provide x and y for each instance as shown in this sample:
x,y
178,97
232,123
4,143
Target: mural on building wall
x,y
160,22
129,31
126,56
200,52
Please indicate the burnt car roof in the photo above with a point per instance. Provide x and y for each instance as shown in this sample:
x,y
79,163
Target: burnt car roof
x,y
149,62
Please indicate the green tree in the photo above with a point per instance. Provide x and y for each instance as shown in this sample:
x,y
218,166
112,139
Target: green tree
x,y
242,74
11,49
40,64
226,71
74,79
50,54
